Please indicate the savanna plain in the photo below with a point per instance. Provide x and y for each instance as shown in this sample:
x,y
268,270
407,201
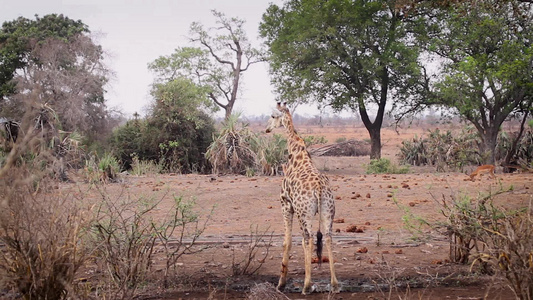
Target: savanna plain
x,y
383,245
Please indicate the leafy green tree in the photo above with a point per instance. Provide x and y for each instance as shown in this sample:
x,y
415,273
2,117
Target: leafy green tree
x,y
343,53
176,132
218,64
487,61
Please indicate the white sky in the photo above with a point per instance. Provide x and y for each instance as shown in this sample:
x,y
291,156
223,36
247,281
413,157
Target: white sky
x,y
137,32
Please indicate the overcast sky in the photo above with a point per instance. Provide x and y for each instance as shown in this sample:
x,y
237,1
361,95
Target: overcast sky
x,y
136,32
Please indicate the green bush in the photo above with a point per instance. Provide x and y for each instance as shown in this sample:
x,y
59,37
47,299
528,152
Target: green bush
x,y
314,140
442,149
383,165
340,140
176,145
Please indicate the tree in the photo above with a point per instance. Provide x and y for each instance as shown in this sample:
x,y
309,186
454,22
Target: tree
x,y
225,53
175,134
345,54
487,72
59,66
16,38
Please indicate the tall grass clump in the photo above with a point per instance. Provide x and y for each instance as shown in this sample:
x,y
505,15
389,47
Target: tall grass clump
x,y
103,168
271,153
230,151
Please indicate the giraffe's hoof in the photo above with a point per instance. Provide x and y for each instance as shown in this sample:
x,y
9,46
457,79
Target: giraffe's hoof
x,y
308,289
281,287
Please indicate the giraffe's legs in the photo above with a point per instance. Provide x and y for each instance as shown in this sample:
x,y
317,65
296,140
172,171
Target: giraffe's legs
x,y
287,241
307,244
334,283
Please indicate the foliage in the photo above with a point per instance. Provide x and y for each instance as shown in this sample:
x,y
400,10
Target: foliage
x,y
43,234
486,68
340,140
502,238
125,243
510,241
383,165
127,235
177,233
271,152
442,149
16,37
102,169
217,65
174,136
523,156
314,140
58,65
144,167
449,151
413,223
345,54
231,150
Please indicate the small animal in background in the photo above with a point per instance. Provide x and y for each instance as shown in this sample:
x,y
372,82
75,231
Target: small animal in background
x,y
483,169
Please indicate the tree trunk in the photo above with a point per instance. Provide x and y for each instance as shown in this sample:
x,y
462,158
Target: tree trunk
x,y
375,142
488,145
511,152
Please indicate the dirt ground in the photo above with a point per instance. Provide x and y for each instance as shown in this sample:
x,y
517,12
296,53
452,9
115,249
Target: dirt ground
x,y
383,252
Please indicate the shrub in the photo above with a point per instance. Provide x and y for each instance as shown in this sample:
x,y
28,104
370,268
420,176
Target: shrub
x,y
42,234
124,243
101,169
502,238
443,150
314,140
340,140
44,244
383,165
127,234
143,167
231,150
271,153
176,144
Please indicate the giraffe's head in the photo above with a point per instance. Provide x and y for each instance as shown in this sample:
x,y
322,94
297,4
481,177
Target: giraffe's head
x,y
279,118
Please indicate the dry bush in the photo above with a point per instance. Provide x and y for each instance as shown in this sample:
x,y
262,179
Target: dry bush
x,y
125,243
502,239
509,249
251,261
127,236
177,233
41,229
265,291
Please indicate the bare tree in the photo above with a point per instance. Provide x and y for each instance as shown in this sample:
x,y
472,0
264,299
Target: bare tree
x,y
233,54
69,77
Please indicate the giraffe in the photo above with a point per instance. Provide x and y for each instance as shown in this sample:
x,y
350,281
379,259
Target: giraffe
x,y
304,192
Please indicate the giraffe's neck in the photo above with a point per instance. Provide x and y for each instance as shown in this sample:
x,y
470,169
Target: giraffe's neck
x,y
296,143
299,158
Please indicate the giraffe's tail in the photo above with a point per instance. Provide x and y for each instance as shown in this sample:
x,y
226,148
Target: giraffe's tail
x,y
319,246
